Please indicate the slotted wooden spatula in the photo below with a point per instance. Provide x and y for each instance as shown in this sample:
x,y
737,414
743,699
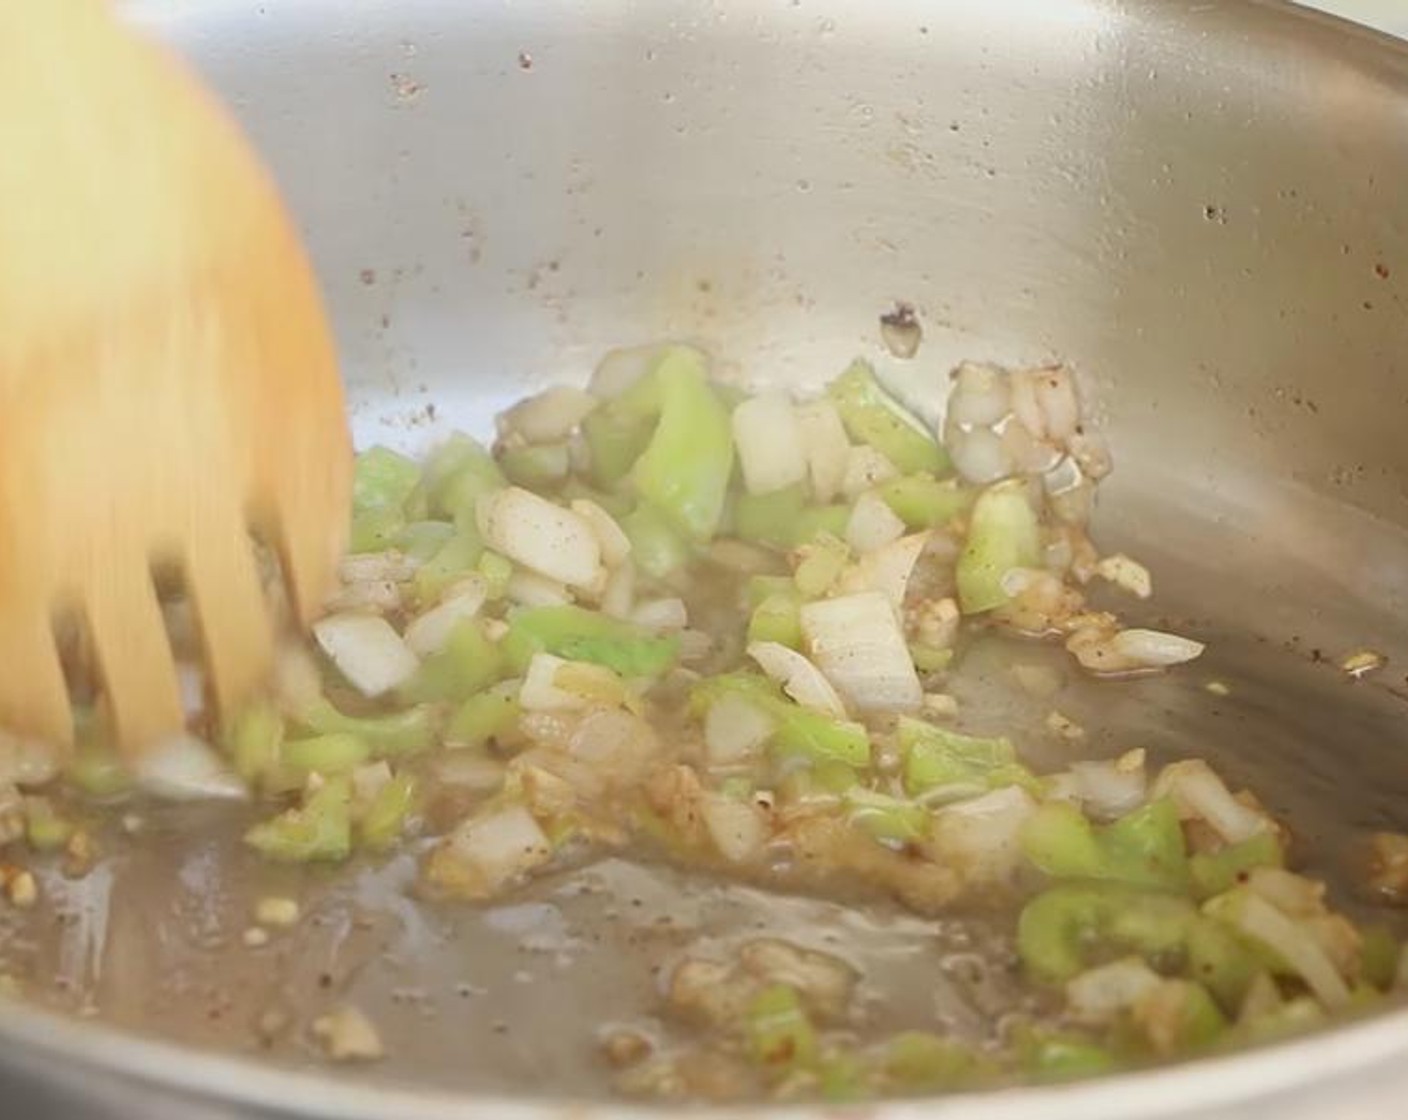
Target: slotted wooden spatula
x,y
167,377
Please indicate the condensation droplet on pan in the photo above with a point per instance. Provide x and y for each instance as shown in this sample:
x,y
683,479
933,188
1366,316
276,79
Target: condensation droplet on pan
x,y
900,331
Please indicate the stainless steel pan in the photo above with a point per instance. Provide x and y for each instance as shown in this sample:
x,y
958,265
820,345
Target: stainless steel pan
x,y
1199,205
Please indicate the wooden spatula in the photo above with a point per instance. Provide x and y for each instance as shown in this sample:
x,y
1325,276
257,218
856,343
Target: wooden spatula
x,y
167,377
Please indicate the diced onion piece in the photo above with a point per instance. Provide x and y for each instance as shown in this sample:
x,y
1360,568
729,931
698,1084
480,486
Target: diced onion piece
x,y
979,456
1199,793
184,768
552,541
1155,648
618,598
1111,788
549,416
617,745
381,596
367,651
485,854
661,615
553,684
886,570
372,567
799,678
529,589
622,367
734,730
1363,662
428,632
981,395
615,545
737,828
769,442
857,643
866,468
1129,574
1097,997
827,448
982,836
872,524
1257,919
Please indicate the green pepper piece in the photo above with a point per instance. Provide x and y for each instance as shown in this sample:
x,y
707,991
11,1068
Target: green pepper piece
x,y
684,471
936,758
390,736
484,718
770,518
537,467
454,560
872,416
456,475
582,635
1060,926
338,753
321,829
1003,534
777,1030
922,501
421,541
656,548
884,817
468,663
385,818
1379,954
1222,962
1216,872
777,619
820,565
383,479
800,731
922,1062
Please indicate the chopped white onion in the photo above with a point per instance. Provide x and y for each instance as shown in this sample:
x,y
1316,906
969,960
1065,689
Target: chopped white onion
x,y
827,448
615,545
1129,574
979,455
367,651
529,589
617,745
886,570
618,598
428,632
549,416
865,469
369,780
532,531
980,396
621,368
1025,408
540,692
799,678
857,643
734,730
737,828
661,615
1199,793
769,442
1096,997
1111,788
184,768
493,850
372,567
872,524
380,596
982,836
1259,920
